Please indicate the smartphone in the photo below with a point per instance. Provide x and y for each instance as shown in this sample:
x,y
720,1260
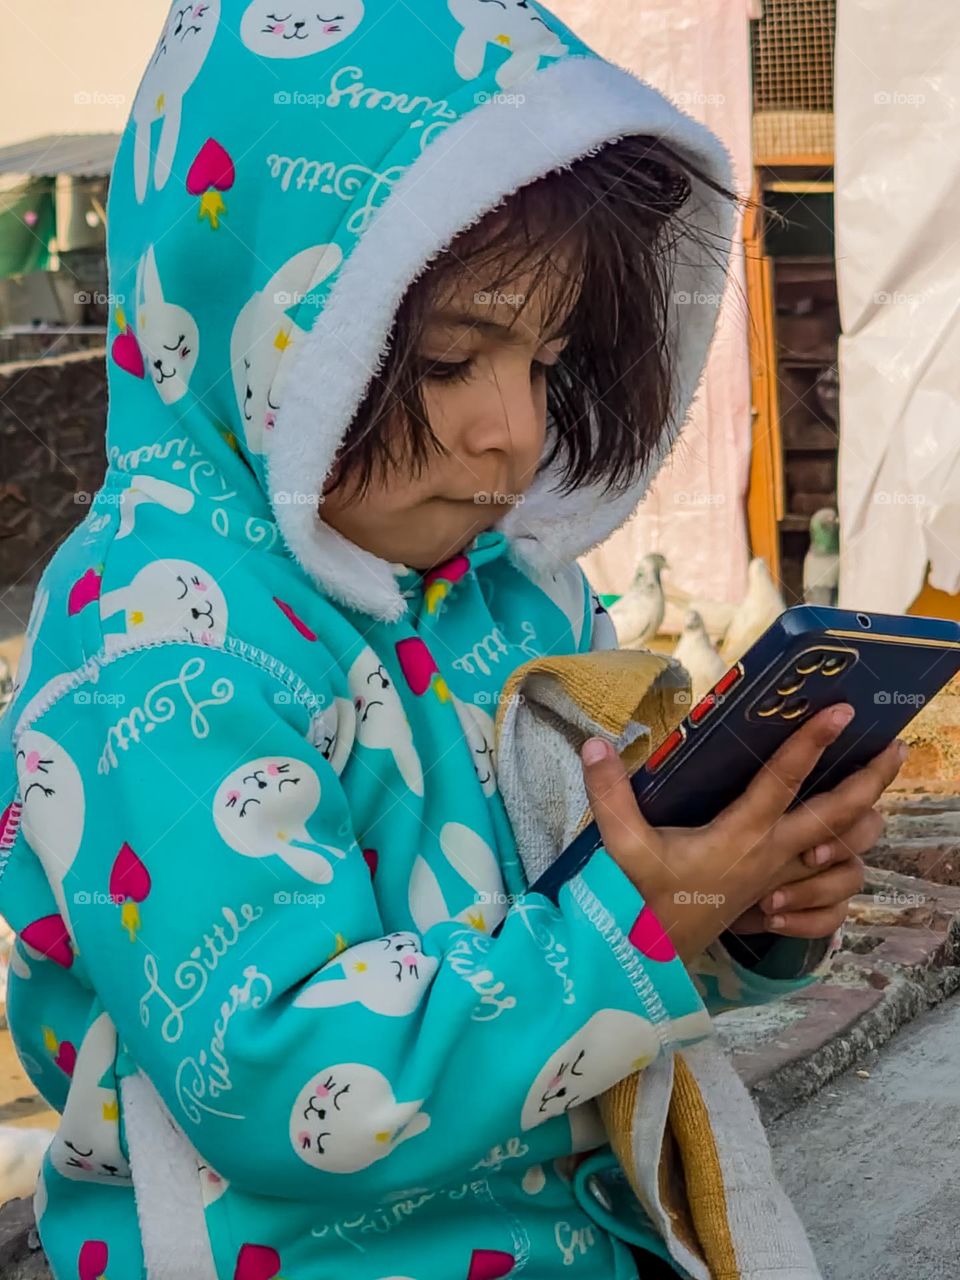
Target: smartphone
x,y
886,666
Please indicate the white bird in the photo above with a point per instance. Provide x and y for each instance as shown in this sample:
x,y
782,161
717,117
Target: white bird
x,y
21,1151
638,613
696,653
762,605
715,614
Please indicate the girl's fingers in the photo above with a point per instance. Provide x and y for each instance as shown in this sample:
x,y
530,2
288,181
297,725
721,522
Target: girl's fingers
x,y
777,782
820,923
832,813
625,831
860,839
828,889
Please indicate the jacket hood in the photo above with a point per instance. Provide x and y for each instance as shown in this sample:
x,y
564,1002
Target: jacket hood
x,y
283,177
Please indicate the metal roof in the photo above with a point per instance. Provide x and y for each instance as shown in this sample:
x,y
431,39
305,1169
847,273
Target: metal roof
x,y
83,155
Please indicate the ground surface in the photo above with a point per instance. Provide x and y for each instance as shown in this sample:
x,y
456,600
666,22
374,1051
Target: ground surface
x,y
873,1163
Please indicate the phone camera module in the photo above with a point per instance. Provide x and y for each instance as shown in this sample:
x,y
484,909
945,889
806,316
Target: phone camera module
x,y
795,708
833,664
789,683
807,663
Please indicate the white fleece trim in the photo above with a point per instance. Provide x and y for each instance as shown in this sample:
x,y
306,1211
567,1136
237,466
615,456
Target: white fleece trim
x,y
572,107
166,1185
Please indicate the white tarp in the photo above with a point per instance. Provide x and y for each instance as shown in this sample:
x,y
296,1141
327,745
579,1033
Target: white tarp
x,y
897,87
697,53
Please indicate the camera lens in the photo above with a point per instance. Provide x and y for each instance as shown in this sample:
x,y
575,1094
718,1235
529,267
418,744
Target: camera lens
x,y
833,664
769,705
807,663
789,683
795,708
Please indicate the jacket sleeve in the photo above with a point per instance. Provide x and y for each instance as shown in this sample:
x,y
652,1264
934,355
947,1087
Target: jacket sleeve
x,y
737,971
231,925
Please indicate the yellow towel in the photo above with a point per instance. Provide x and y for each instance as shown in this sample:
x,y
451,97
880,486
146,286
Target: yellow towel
x,y
684,1130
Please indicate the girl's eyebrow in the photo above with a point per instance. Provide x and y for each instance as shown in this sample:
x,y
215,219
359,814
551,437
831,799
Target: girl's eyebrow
x,y
469,320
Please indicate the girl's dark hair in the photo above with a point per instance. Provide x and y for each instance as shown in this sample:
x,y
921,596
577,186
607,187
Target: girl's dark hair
x,y
619,216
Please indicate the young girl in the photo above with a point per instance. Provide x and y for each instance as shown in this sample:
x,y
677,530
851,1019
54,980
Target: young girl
x,y
397,335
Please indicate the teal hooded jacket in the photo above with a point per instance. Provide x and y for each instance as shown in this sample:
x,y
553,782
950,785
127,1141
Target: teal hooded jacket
x,y
252,842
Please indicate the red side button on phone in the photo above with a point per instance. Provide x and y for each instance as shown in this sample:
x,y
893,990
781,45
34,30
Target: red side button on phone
x,y
727,680
703,707
666,748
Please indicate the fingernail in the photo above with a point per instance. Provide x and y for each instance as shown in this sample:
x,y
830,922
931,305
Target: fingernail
x,y
777,900
821,854
902,751
842,716
594,750
777,922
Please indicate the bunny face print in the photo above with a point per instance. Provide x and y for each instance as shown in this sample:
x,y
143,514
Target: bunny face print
x,y
261,810
346,1118
264,329
168,334
53,809
382,723
86,1147
514,25
388,976
480,732
180,53
284,30
168,599
610,1045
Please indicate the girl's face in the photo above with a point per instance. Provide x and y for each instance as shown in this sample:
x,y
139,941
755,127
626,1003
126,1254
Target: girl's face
x,y
486,400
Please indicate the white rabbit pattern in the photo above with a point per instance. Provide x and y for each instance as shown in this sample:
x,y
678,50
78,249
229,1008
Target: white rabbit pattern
x,y
264,331
514,25
475,862
176,62
86,1147
301,31
388,976
167,333
382,723
346,1118
53,809
167,599
257,817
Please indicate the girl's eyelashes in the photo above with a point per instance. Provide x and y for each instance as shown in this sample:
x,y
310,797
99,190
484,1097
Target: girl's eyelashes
x,y
460,370
446,370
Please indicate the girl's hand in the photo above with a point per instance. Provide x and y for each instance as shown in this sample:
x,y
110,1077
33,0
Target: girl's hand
x,y
697,880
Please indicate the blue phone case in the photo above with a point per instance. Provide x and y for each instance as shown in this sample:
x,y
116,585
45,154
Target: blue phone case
x,y
886,666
